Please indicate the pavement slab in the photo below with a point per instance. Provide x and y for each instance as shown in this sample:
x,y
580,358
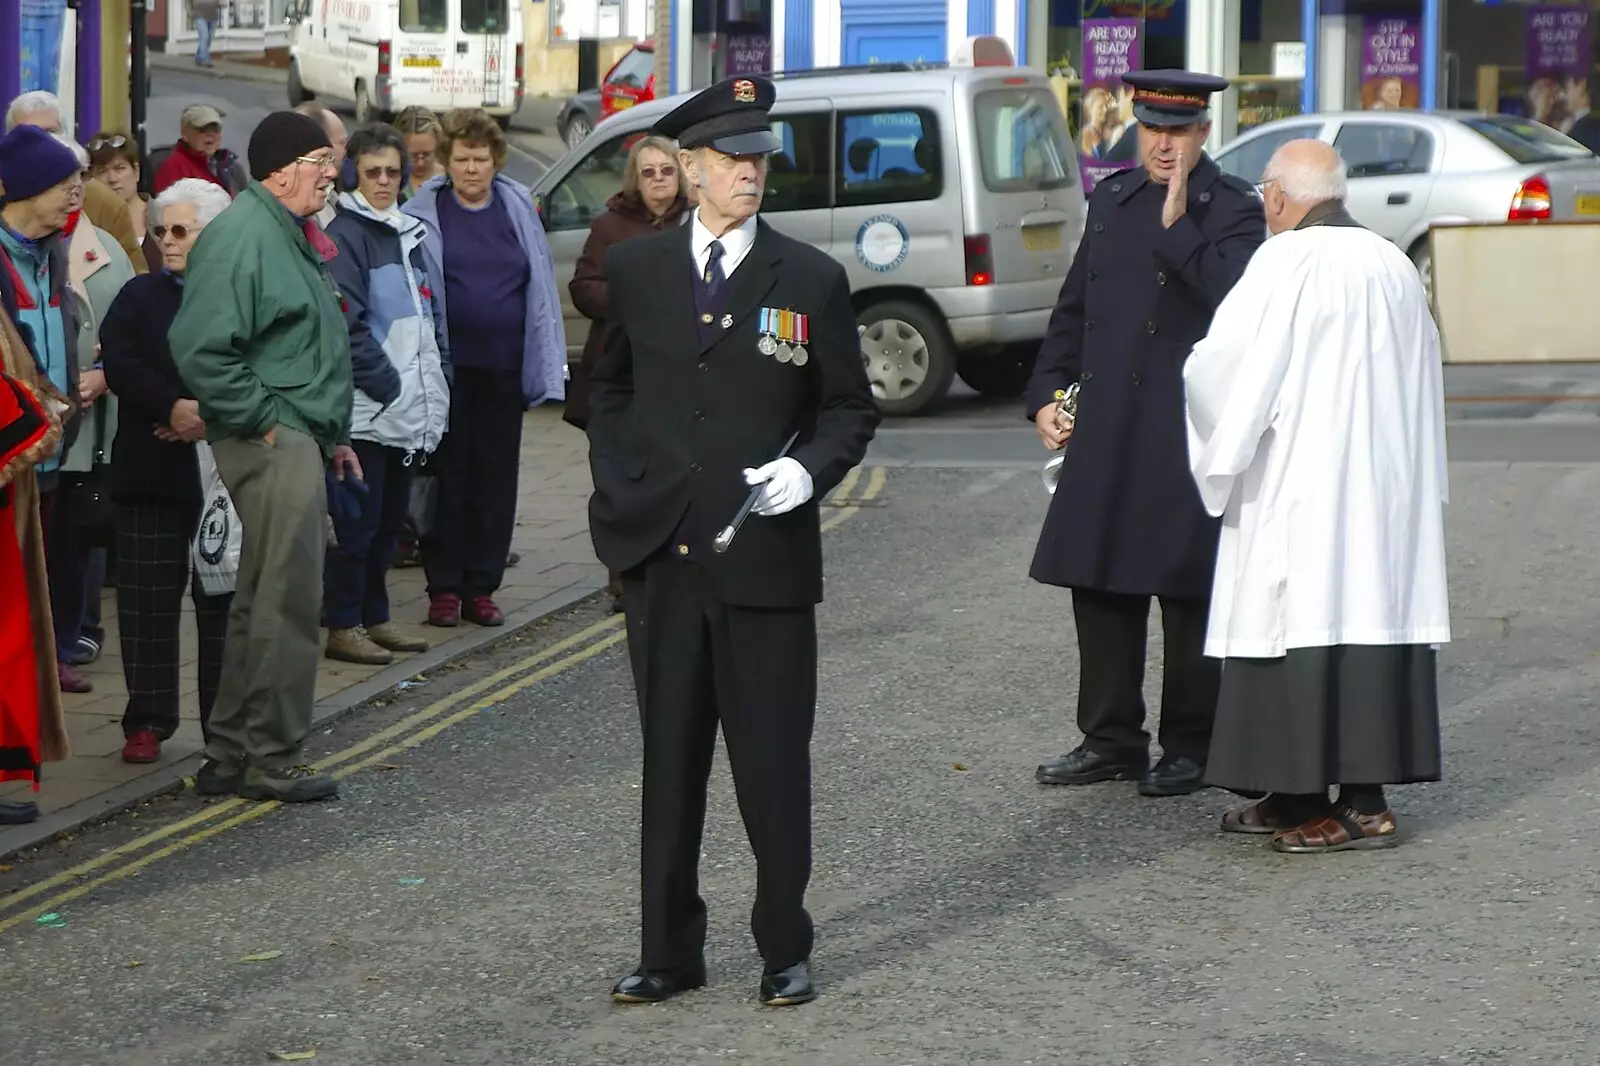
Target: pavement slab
x,y
474,903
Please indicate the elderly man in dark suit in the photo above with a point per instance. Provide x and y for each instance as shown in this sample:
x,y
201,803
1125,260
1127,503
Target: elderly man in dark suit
x,y
1163,245
725,340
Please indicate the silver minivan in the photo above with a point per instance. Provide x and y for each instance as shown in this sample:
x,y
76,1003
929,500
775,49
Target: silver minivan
x,y
950,194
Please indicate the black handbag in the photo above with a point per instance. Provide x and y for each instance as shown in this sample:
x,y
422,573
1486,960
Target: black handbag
x,y
94,516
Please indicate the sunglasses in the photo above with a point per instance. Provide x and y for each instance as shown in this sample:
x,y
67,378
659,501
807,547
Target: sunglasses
x,y
649,173
374,173
106,142
179,232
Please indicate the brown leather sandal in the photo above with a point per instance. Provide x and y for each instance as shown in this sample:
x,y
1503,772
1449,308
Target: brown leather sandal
x,y
1346,829
1259,819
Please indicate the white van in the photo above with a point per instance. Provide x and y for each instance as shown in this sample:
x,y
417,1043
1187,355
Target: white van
x,y
386,55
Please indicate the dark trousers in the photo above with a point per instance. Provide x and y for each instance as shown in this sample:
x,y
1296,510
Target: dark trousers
x,y
66,562
1111,655
698,661
354,578
154,565
477,465
94,583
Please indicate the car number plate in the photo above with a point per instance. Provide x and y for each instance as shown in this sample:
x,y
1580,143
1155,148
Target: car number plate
x,y
1041,238
620,102
1589,204
421,61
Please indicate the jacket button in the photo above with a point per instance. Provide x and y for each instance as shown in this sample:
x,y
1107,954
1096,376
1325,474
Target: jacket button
x,y
705,366
1099,227
700,416
694,467
1205,198
1149,327
1092,275
683,549
1086,375
1117,187
1088,323
1161,277
1136,379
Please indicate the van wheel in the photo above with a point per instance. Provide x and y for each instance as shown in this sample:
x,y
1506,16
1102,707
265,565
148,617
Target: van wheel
x,y
364,112
909,358
297,90
1002,375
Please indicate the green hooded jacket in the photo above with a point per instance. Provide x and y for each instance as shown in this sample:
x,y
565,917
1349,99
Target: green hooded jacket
x,y
261,336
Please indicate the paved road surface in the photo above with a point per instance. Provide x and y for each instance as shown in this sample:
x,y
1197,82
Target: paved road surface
x,y
470,898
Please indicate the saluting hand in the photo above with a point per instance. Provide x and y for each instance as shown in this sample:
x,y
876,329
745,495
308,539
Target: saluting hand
x,y
1177,204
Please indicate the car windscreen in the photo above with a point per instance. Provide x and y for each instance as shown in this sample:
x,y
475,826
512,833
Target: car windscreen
x,y
1525,140
484,16
1019,143
424,16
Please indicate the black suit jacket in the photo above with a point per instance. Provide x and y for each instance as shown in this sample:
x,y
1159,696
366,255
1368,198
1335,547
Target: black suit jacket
x,y
674,421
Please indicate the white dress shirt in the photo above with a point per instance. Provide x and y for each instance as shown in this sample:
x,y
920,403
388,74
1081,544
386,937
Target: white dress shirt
x,y
736,244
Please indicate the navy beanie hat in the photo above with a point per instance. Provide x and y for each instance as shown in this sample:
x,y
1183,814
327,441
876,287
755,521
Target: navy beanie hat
x,y
32,161
280,139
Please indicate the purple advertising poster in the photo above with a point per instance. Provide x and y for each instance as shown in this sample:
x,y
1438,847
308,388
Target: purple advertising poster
x,y
1107,137
1391,62
1559,56
748,53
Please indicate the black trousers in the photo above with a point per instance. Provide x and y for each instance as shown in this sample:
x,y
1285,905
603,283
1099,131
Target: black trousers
x,y
355,575
154,566
697,662
477,465
1111,655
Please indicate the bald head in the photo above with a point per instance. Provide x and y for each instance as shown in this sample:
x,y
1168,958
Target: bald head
x,y
1299,176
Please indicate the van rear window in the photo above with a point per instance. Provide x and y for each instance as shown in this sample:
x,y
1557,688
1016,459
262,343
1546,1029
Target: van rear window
x,y
1021,138
483,16
424,16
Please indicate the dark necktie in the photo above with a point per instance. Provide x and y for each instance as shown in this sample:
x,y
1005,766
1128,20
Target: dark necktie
x,y
712,278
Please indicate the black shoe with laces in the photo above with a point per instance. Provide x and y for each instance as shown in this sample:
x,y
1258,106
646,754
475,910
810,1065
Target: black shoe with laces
x,y
216,778
287,784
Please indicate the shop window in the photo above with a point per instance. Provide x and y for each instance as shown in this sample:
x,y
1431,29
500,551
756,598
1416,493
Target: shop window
x,y
582,194
1246,159
1383,150
798,173
888,157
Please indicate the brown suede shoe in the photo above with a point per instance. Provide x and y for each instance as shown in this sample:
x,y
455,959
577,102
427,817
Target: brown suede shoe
x,y
388,635
354,646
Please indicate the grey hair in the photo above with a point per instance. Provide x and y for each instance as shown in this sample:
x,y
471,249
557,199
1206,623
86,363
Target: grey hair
x,y
1308,182
31,103
207,197
78,150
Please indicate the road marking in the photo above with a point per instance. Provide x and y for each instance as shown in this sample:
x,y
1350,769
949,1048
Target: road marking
x,y
876,479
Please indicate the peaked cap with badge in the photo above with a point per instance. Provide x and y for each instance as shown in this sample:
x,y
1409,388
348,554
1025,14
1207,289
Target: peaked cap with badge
x,y
1172,97
730,116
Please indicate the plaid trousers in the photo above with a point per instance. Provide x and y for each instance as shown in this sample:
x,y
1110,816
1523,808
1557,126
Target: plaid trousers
x,y
153,567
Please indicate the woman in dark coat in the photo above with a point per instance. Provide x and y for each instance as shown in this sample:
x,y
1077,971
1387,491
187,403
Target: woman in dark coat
x,y
654,197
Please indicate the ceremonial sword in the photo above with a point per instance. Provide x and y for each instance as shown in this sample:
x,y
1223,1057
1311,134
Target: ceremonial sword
x,y
725,539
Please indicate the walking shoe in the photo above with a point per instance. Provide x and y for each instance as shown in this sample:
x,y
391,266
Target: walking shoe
x,y
87,651
287,784
388,635
481,610
355,646
444,610
71,680
216,778
142,746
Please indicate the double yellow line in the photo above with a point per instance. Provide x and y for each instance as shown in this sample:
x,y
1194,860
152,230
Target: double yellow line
x,y
26,904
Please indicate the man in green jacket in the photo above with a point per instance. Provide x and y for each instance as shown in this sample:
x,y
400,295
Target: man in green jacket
x,y
261,338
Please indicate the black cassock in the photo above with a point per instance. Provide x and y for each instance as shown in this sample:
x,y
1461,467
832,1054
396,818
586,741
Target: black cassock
x,y
682,401
1126,522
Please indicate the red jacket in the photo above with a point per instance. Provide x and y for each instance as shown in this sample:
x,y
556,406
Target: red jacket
x,y
185,162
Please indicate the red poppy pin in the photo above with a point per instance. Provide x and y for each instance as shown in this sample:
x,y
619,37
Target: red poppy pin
x,y
344,304
90,256
427,293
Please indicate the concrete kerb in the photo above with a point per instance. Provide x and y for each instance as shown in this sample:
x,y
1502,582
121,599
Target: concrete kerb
x,y
331,709
222,69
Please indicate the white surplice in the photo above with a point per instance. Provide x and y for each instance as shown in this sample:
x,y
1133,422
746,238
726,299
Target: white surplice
x,y
1316,431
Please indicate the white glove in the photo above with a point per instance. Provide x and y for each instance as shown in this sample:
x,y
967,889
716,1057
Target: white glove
x,y
788,486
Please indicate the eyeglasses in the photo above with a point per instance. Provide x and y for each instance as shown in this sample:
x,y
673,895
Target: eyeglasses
x,y
323,161
179,231
1261,187
374,173
649,173
106,142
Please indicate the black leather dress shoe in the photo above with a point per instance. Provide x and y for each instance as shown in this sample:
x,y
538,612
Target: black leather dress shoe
x,y
18,813
1084,767
788,987
654,986
1173,776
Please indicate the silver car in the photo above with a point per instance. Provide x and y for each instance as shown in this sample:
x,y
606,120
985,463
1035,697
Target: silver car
x,y
950,194
1409,170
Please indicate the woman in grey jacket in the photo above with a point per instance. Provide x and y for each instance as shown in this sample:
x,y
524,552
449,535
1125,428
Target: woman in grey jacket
x,y
400,363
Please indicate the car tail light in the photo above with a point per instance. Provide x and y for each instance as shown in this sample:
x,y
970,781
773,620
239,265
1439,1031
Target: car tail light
x,y
980,260
384,56
519,62
1531,201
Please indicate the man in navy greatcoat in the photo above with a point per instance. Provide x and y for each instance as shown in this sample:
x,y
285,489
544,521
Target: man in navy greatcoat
x,y
1162,246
